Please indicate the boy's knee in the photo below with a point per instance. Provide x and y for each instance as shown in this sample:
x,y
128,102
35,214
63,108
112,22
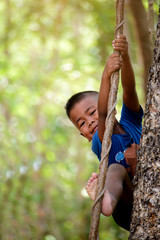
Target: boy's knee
x,y
109,203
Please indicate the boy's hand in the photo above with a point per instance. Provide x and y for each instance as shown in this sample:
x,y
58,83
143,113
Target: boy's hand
x,y
120,44
113,64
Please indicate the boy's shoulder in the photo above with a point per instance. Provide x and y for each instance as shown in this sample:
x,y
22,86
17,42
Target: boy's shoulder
x,y
129,115
132,123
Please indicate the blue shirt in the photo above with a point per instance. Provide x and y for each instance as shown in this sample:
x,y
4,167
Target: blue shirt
x,y
131,122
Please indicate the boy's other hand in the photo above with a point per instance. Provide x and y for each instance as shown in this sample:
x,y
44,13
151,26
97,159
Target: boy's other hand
x,y
113,64
120,44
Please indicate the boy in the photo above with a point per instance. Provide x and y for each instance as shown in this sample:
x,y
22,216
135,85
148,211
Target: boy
x,y
88,111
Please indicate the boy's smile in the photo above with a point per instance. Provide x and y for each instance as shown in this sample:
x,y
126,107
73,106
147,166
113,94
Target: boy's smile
x,y
84,116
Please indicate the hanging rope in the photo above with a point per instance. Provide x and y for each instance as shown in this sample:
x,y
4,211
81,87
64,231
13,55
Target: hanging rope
x,y
109,124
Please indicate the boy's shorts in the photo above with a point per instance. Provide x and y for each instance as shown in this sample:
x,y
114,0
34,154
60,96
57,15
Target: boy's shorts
x,y
122,214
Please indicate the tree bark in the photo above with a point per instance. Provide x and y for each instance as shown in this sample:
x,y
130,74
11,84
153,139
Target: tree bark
x,y
142,28
145,224
151,22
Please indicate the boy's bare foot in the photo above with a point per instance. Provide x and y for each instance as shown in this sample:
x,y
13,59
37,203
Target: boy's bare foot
x,y
109,201
91,186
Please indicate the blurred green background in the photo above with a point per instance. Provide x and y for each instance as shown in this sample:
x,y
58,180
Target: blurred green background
x,y
49,50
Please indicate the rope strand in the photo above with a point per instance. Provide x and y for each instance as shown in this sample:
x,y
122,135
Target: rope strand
x,y
118,27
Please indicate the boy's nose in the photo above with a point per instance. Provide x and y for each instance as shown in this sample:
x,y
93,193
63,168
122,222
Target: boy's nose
x,y
90,123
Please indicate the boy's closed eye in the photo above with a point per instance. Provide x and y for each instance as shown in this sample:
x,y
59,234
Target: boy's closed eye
x,y
92,112
82,124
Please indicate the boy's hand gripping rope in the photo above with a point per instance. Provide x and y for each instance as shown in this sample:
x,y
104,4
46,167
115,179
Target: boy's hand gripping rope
x,y
106,144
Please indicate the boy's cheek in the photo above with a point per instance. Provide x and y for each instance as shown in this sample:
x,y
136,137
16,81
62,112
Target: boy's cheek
x,y
89,139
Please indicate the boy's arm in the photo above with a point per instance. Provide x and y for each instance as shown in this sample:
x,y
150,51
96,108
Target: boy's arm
x,y
130,97
113,63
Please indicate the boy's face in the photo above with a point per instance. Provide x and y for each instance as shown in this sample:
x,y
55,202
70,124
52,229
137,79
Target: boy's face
x,y
84,116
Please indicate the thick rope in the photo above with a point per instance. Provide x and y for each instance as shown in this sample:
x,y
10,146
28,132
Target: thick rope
x,y
103,158
105,155
118,27
109,124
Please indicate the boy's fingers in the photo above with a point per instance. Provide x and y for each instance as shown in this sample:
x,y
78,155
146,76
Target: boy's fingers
x,y
119,44
115,55
117,66
123,42
116,59
120,47
117,63
122,36
119,40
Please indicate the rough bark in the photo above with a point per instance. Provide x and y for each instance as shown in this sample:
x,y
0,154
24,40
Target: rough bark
x,y
146,210
106,144
142,28
151,22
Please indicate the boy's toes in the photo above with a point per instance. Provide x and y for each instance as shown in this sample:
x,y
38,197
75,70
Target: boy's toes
x,y
91,185
91,179
94,175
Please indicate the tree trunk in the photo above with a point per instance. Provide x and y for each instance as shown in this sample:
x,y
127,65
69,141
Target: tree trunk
x,y
146,210
142,27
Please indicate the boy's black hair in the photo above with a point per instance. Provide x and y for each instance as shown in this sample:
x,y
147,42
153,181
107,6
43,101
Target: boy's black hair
x,y
77,98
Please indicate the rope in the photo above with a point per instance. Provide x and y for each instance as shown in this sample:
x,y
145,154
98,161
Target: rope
x,y
109,124
105,155
107,120
118,27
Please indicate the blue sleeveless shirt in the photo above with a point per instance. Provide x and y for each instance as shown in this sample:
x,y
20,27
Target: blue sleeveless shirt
x,y
131,122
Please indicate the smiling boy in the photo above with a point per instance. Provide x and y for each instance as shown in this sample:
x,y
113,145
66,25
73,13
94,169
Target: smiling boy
x,y
84,114
88,110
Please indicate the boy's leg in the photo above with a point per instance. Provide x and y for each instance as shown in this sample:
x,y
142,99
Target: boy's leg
x,y
122,214
118,196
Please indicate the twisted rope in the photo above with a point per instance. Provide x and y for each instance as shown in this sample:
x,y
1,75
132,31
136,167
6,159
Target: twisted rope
x,y
118,27
103,158
105,155
109,124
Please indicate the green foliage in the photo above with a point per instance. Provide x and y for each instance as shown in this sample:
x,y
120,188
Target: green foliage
x,y
49,50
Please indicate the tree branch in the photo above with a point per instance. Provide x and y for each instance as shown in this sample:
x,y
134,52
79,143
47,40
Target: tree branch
x,y
141,22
